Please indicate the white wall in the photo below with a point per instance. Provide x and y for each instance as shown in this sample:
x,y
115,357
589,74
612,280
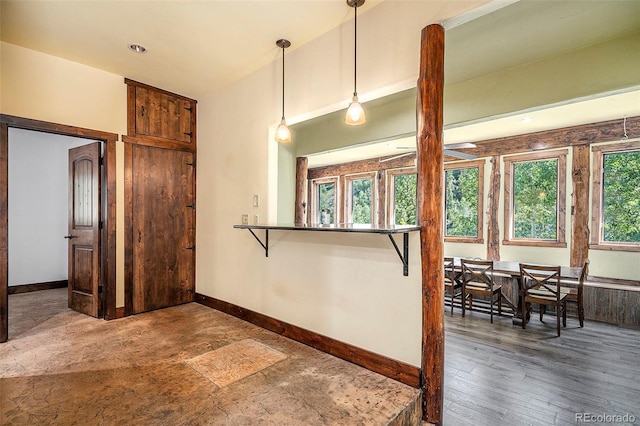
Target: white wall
x,y
38,205
345,286
44,87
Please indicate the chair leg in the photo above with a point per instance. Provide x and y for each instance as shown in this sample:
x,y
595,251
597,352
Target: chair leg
x,y
463,302
542,310
499,303
580,311
491,302
564,314
524,312
558,319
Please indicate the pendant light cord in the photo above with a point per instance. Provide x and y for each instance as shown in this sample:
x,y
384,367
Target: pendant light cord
x,y
355,48
283,82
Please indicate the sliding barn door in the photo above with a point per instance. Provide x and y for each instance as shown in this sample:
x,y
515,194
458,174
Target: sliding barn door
x,y
163,248
84,229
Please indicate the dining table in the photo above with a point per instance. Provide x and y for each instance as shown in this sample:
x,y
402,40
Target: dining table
x,y
506,269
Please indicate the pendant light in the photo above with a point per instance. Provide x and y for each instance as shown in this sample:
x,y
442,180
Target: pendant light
x,y
283,134
355,113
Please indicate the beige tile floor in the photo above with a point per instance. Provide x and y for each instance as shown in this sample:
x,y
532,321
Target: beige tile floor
x,y
61,367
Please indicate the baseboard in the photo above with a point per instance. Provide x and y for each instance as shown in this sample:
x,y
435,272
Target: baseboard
x,y
120,312
397,370
27,288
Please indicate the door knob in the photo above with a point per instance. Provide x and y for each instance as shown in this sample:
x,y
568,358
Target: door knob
x,y
70,236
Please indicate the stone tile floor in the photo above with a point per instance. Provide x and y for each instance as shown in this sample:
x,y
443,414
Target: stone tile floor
x,y
62,367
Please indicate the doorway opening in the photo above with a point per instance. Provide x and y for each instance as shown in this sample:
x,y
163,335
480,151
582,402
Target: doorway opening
x,y
105,263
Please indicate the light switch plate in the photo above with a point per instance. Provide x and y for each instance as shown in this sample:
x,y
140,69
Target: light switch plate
x,y
245,219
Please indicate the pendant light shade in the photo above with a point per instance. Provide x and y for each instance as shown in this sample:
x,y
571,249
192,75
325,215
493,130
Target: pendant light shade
x,y
283,134
355,114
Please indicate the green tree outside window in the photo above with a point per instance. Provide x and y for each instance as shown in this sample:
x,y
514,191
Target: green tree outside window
x,y
326,202
361,201
535,203
461,202
621,197
404,191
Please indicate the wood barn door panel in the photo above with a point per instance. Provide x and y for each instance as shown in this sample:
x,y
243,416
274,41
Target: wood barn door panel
x,y
160,115
162,227
84,229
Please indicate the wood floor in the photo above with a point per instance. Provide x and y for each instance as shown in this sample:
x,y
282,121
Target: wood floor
x,y
500,374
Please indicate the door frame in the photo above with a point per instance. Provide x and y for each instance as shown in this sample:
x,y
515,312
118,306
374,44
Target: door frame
x,y
108,248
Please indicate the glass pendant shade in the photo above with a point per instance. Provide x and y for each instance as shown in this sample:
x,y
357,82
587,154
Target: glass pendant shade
x,y
283,134
355,113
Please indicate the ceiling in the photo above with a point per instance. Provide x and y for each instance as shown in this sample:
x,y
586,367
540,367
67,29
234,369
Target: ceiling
x,y
193,47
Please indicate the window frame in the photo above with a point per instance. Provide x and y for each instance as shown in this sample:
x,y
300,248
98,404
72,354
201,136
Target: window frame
x,y
390,174
561,199
314,186
480,165
348,195
597,197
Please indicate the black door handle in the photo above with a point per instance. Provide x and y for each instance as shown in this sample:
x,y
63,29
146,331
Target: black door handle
x,y
70,236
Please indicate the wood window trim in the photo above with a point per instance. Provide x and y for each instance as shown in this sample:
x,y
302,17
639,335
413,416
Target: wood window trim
x,y
391,193
597,212
348,195
561,157
313,186
479,164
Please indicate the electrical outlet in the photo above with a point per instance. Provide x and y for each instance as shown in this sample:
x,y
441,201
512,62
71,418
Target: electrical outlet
x,y
256,200
256,219
245,219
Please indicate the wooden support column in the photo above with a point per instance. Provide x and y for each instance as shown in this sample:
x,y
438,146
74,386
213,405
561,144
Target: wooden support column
x,y
493,229
430,218
302,204
4,241
580,205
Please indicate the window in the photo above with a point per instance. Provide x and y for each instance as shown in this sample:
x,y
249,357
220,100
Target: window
x,y
464,193
535,189
360,206
401,196
616,197
325,194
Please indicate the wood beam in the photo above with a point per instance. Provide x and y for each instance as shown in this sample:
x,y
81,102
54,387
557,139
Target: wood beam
x,y
430,218
605,131
580,205
302,204
493,229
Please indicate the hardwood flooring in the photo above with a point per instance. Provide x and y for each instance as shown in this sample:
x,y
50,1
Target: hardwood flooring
x,y
500,374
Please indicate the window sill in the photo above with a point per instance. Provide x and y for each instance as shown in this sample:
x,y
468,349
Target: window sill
x,y
466,240
535,243
615,247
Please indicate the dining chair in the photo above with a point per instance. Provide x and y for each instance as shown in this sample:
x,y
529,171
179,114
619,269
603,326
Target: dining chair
x,y
541,285
477,279
575,291
452,284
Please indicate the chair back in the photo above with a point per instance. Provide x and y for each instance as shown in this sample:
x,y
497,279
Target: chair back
x,y
449,271
478,271
538,278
